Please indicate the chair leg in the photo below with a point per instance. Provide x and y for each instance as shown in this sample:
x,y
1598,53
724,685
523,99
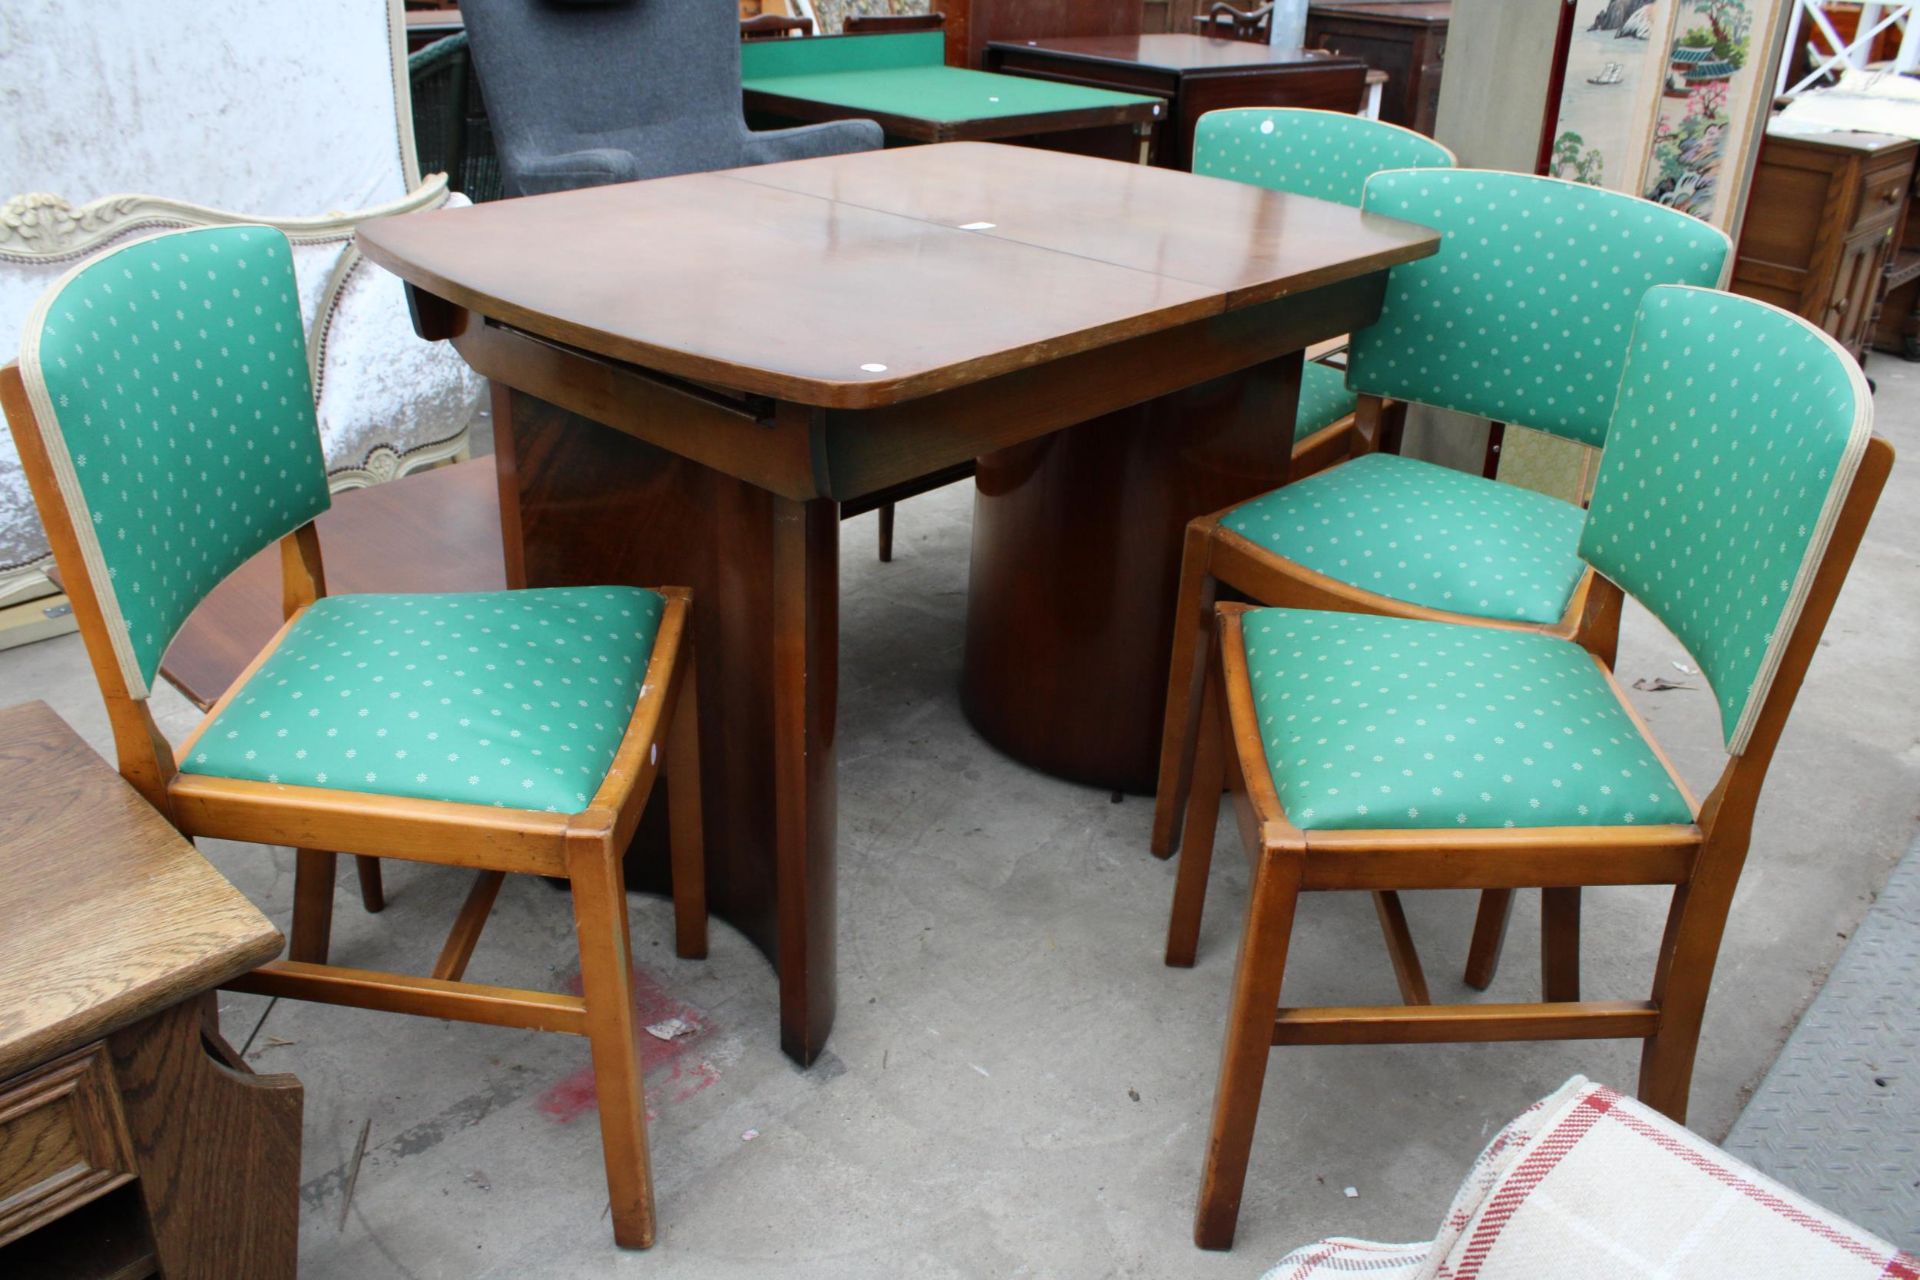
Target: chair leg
x,y
1688,951
1560,944
1400,948
686,838
373,893
606,981
886,533
1243,1060
1203,816
1489,933
1192,642
313,877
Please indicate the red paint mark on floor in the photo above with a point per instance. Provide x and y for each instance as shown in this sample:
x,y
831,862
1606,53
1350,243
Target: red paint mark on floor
x,y
575,1095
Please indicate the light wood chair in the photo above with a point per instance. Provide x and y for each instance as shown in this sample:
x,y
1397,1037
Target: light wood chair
x,y
1538,338
1328,155
164,413
1374,753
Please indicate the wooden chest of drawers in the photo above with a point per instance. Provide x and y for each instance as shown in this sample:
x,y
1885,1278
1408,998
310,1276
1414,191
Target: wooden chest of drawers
x,y
1821,222
1407,39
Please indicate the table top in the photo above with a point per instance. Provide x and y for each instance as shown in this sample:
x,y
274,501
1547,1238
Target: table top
x,y
107,914
904,75
1171,52
895,274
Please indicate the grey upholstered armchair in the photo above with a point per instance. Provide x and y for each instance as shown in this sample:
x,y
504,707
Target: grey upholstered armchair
x,y
585,92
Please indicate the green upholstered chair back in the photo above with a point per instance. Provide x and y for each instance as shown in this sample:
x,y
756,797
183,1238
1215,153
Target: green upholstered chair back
x,y
1523,314
1328,155
1736,439
169,380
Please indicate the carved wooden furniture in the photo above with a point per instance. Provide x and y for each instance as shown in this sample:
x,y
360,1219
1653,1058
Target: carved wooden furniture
x,y
1897,326
126,1145
1193,74
147,117
1821,226
502,731
879,24
1407,39
901,82
973,24
770,26
1375,753
637,441
1384,534
1222,19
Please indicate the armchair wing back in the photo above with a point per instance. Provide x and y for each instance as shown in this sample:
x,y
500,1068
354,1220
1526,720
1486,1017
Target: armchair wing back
x,y
169,378
582,94
1735,442
137,117
1325,154
1523,314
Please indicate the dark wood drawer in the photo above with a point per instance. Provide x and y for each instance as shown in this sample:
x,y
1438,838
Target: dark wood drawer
x,y
63,1141
1881,191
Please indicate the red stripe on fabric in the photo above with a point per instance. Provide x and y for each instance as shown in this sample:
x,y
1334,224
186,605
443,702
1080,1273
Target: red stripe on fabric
x,y
1547,1151
1793,1213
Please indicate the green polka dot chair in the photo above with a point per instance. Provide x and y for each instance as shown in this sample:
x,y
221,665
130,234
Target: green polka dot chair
x,y
1522,316
1371,752
162,408
1328,155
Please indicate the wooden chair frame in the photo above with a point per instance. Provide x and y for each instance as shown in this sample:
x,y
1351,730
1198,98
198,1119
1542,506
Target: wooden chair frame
x,y
1214,556
584,848
1702,861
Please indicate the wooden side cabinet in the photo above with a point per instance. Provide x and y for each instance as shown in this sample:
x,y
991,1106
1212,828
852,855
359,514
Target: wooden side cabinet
x,y
133,1142
1821,224
1407,39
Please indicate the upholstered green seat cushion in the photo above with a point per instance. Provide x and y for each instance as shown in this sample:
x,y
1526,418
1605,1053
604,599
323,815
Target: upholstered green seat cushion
x,y
1374,723
1426,535
509,698
1324,399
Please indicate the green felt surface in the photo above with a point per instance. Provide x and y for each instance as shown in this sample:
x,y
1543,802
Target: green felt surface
x,y
829,54
944,95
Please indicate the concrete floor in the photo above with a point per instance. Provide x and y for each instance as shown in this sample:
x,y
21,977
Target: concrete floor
x,y
1016,1086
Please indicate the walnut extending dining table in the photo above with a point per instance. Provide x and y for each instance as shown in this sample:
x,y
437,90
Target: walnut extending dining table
x,y
692,375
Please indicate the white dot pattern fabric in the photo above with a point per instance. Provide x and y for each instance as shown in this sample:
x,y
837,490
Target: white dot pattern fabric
x,y
517,699
1324,399
1524,313
1739,432
1375,723
1328,155
1427,535
170,379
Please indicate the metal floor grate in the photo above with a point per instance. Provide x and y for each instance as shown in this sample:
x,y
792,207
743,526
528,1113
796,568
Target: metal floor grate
x,y
1837,1118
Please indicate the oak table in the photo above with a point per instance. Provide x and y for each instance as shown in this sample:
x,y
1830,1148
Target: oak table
x,y
1194,74
1118,346
125,1146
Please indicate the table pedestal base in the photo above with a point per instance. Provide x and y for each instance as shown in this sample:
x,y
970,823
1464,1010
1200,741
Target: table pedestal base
x,y
1076,555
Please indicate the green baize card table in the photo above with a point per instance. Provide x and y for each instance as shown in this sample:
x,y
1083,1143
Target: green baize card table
x,y
901,82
